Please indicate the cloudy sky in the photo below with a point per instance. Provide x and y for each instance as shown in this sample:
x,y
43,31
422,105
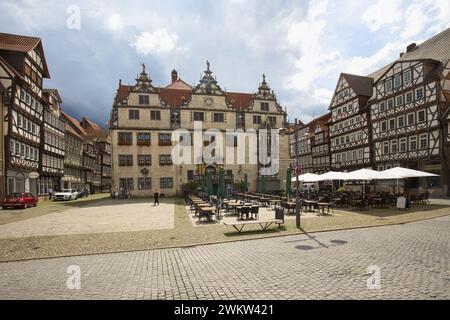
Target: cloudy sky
x,y
301,46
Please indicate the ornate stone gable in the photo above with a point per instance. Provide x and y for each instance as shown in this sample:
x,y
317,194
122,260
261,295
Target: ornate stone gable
x,y
264,91
208,84
143,83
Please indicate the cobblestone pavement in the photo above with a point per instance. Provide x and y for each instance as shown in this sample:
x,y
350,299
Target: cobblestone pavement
x,y
413,259
100,217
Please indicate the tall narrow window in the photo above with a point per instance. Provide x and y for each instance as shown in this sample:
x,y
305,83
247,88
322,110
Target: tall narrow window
x,y
125,138
144,99
155,115
133,114
264,106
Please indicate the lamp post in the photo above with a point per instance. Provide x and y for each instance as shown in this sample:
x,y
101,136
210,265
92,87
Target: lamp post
x,y
297,200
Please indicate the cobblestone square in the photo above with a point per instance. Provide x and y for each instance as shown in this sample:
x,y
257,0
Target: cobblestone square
x,y
98,217
413,260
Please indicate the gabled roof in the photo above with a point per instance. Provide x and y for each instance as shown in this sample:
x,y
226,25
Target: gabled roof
x,y
72,131
20,43
53,91
74,124
11,71
321,121
240,101
93,130
179,85
436,48
361,85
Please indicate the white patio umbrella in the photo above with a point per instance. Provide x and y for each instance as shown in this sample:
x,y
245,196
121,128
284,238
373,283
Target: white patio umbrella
x,y
306,177
332,175
365,175
402,173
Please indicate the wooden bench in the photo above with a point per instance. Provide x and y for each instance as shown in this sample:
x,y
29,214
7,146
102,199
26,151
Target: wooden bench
x,y
264,224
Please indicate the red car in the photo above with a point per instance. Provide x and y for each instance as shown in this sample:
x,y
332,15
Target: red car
x,y
21,200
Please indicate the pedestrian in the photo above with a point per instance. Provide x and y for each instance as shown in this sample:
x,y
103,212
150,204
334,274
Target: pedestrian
x,y
50,192
156,196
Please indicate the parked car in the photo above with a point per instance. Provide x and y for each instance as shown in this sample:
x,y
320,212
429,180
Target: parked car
x,y
83,193
20,200
66,194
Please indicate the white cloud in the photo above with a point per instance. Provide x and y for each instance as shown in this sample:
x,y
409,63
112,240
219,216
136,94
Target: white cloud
x,y
364,65
114,22
316,58
382,13
156,42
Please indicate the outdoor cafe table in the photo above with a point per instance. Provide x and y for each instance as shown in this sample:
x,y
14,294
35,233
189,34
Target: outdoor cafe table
x,y
323,205
377,201
275,203
310,204
264,201
208,210
233,205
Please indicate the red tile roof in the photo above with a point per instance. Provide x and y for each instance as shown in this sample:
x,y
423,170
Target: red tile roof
x,y
174,97
240,101
123,91
72,131
74,124
93,130
20,43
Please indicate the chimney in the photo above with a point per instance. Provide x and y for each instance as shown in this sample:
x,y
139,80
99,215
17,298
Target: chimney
x,y
174,75
411,47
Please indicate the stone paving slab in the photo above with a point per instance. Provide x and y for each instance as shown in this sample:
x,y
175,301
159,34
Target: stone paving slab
x,y
102,217
413,261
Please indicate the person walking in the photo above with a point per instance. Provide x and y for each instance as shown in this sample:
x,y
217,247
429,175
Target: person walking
x,y
156,196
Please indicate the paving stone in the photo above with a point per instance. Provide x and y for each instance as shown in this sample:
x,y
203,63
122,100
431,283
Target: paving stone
x,y
413,260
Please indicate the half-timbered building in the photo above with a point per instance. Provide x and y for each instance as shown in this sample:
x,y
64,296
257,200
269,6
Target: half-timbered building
x,y
445,120
53,144
73,159
25,58
349,132
102,145
320,144
304,154
406,112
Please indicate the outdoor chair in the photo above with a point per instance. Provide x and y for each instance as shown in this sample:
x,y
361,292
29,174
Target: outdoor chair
x,y
254,212
243,211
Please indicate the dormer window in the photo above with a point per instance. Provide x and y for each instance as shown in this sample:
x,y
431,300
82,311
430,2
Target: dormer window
x,y
144,99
